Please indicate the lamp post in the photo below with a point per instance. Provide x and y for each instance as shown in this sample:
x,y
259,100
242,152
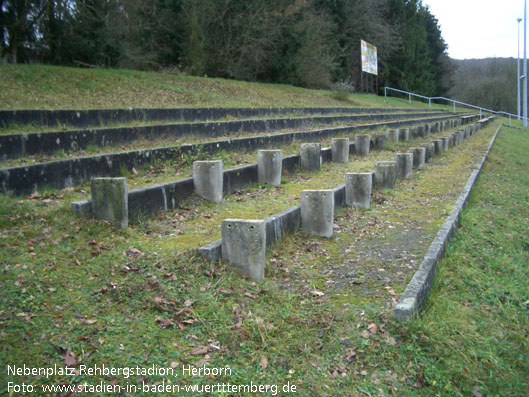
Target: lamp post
x,y
525,64
518,75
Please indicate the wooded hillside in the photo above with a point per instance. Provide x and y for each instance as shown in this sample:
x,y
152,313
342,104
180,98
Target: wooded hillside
x,y
311,43
489,82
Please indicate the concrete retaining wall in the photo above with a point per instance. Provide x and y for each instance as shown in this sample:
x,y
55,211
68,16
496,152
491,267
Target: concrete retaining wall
x,y
16,145
416,294
73,172
95,117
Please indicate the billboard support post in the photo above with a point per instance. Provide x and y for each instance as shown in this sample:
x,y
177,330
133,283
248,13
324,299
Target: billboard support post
x,y
368,54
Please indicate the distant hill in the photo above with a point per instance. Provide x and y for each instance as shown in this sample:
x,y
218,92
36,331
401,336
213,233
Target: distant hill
x,y
489,82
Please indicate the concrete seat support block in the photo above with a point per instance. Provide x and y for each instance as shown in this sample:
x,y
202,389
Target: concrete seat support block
x,y
380,139
358,190
244,246
269,166
419,157
310,156
446,142
430,150
110,201
208,179
385,175
340,150
438,146
404,134
317,212
393,135
404,164
362,144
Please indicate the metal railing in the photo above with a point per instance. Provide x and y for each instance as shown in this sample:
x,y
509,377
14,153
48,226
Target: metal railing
x,y
454,102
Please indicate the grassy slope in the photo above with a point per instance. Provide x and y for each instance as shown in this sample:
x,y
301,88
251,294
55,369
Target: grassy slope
x,y
50,87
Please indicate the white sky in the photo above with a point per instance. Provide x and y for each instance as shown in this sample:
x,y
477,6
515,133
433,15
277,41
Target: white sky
x,y
480,28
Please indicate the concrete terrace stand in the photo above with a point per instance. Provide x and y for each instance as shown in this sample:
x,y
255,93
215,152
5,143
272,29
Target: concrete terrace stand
x,y
269,166
385,175
76,171
358,190
110,201
153,199
285,222
340,150
21,144
317,212
310,156
208,180
244,246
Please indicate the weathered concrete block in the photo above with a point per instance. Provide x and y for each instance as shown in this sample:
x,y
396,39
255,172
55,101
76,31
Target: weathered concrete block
x,y
419,131
358,189
340,150
404,165
310,156
404,134
362,144
208,179
269,166
438,146
82,208
393,135
110,201
317,212
244,246
427,130
380,139
430,150
433,128
455,139
461,136
446,143
385,175
419,157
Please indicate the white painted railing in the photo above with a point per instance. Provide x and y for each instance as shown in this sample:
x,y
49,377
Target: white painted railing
x,y
454,102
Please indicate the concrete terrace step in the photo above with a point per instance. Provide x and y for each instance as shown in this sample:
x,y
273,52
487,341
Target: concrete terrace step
x,y
17,145
73,172
98,117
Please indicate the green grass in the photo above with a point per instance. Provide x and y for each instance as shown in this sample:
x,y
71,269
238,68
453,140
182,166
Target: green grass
x,y
475,332
53,87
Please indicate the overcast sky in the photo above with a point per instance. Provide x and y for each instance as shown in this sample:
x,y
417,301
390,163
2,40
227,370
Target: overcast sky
x,y
480,28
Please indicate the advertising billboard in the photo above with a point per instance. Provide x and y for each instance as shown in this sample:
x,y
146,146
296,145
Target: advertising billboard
x,y
369,58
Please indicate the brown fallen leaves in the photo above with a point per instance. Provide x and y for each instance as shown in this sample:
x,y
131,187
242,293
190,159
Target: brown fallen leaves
x,y
180,316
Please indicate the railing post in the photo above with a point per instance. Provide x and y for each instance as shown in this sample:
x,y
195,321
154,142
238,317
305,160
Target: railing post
x,y
385,92
430,102
454,106
480,113
510,121
410,98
